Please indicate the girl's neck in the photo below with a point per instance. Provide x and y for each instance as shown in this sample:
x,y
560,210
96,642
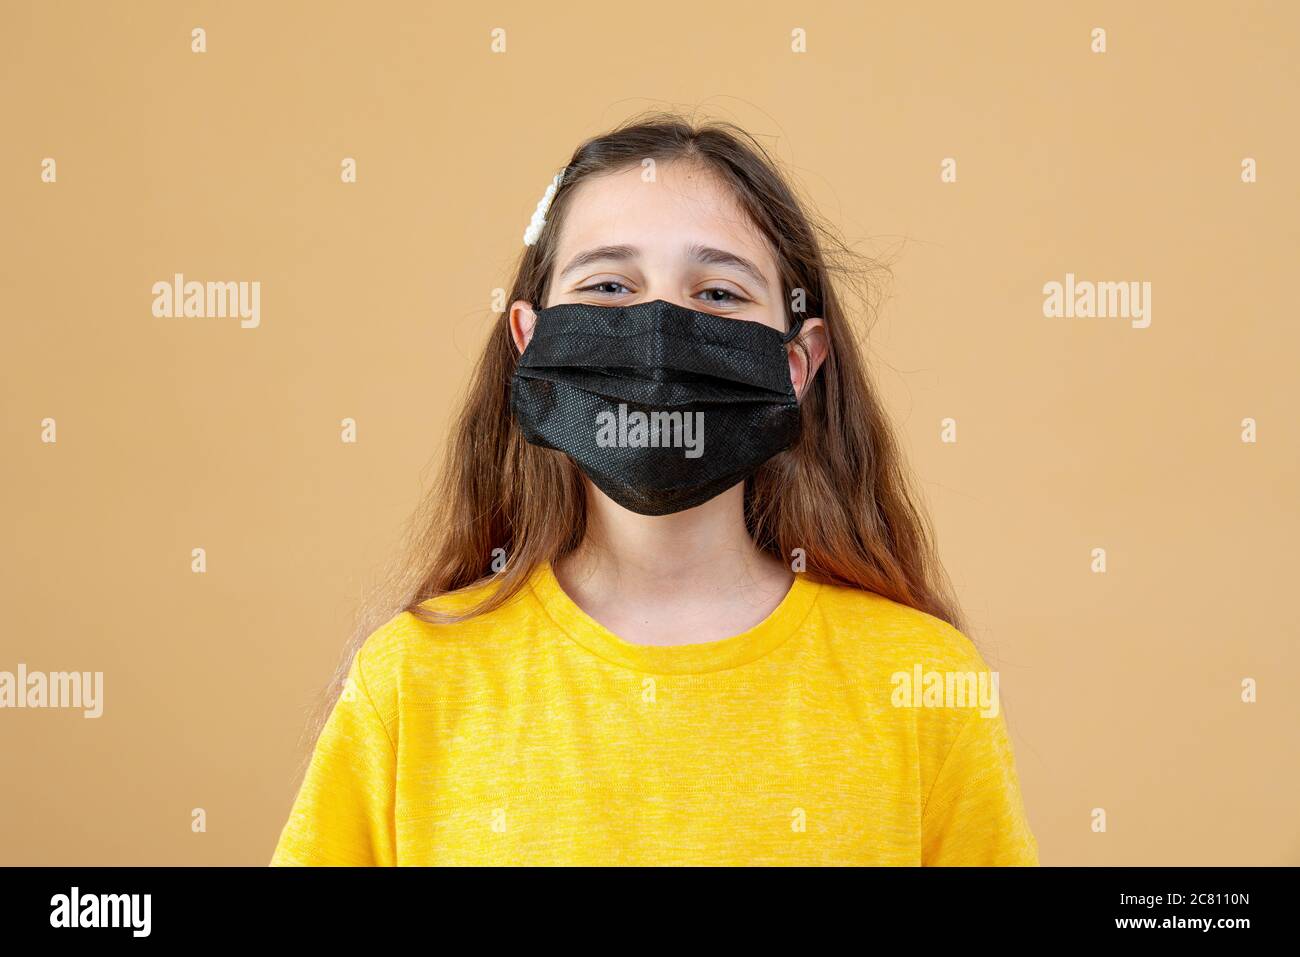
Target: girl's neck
x,y
653,579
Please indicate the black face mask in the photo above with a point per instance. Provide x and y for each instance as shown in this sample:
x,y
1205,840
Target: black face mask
x,y
662,407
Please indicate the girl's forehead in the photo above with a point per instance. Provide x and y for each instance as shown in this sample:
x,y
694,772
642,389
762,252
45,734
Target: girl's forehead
x,y
682,203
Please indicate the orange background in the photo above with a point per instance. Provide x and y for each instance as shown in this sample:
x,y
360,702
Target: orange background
x,y
1122,690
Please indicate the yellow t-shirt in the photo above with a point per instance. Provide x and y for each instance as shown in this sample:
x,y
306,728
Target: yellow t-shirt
x,y
533,735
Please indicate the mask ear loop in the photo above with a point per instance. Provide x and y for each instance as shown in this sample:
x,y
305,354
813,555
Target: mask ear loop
x,y
795,326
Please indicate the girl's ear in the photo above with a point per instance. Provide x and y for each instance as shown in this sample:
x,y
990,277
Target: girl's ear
x,y
522,320
805,362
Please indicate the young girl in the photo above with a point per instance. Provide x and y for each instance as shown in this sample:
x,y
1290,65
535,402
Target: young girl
x,y
672,602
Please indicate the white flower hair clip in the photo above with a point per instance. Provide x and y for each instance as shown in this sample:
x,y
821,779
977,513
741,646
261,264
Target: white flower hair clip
x,y
535,225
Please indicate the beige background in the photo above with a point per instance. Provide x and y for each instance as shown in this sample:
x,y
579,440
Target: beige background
x,y
1122,690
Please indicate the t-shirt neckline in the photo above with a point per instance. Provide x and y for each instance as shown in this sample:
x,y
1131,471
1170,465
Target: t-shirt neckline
x,y
692,658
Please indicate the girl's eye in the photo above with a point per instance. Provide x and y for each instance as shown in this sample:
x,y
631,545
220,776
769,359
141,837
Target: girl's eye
x,y
606,288
719,296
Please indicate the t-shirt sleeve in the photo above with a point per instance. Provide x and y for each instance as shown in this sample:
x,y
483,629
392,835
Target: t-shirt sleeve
x,y
975,815
343,813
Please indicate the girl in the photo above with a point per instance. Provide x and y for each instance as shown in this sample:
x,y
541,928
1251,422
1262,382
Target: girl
x,y
672,602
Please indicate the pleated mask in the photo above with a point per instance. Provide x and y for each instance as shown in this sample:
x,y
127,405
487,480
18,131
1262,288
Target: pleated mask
x,y
661,406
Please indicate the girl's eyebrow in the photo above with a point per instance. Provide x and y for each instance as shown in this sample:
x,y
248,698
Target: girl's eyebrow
x,y
720,257
599,254
708,255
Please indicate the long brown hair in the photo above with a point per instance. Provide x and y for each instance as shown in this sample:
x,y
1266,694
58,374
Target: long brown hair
x,y
841,494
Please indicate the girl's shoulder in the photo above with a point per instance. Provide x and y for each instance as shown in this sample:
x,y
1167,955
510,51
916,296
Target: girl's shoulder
x,y
890,629
438,626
